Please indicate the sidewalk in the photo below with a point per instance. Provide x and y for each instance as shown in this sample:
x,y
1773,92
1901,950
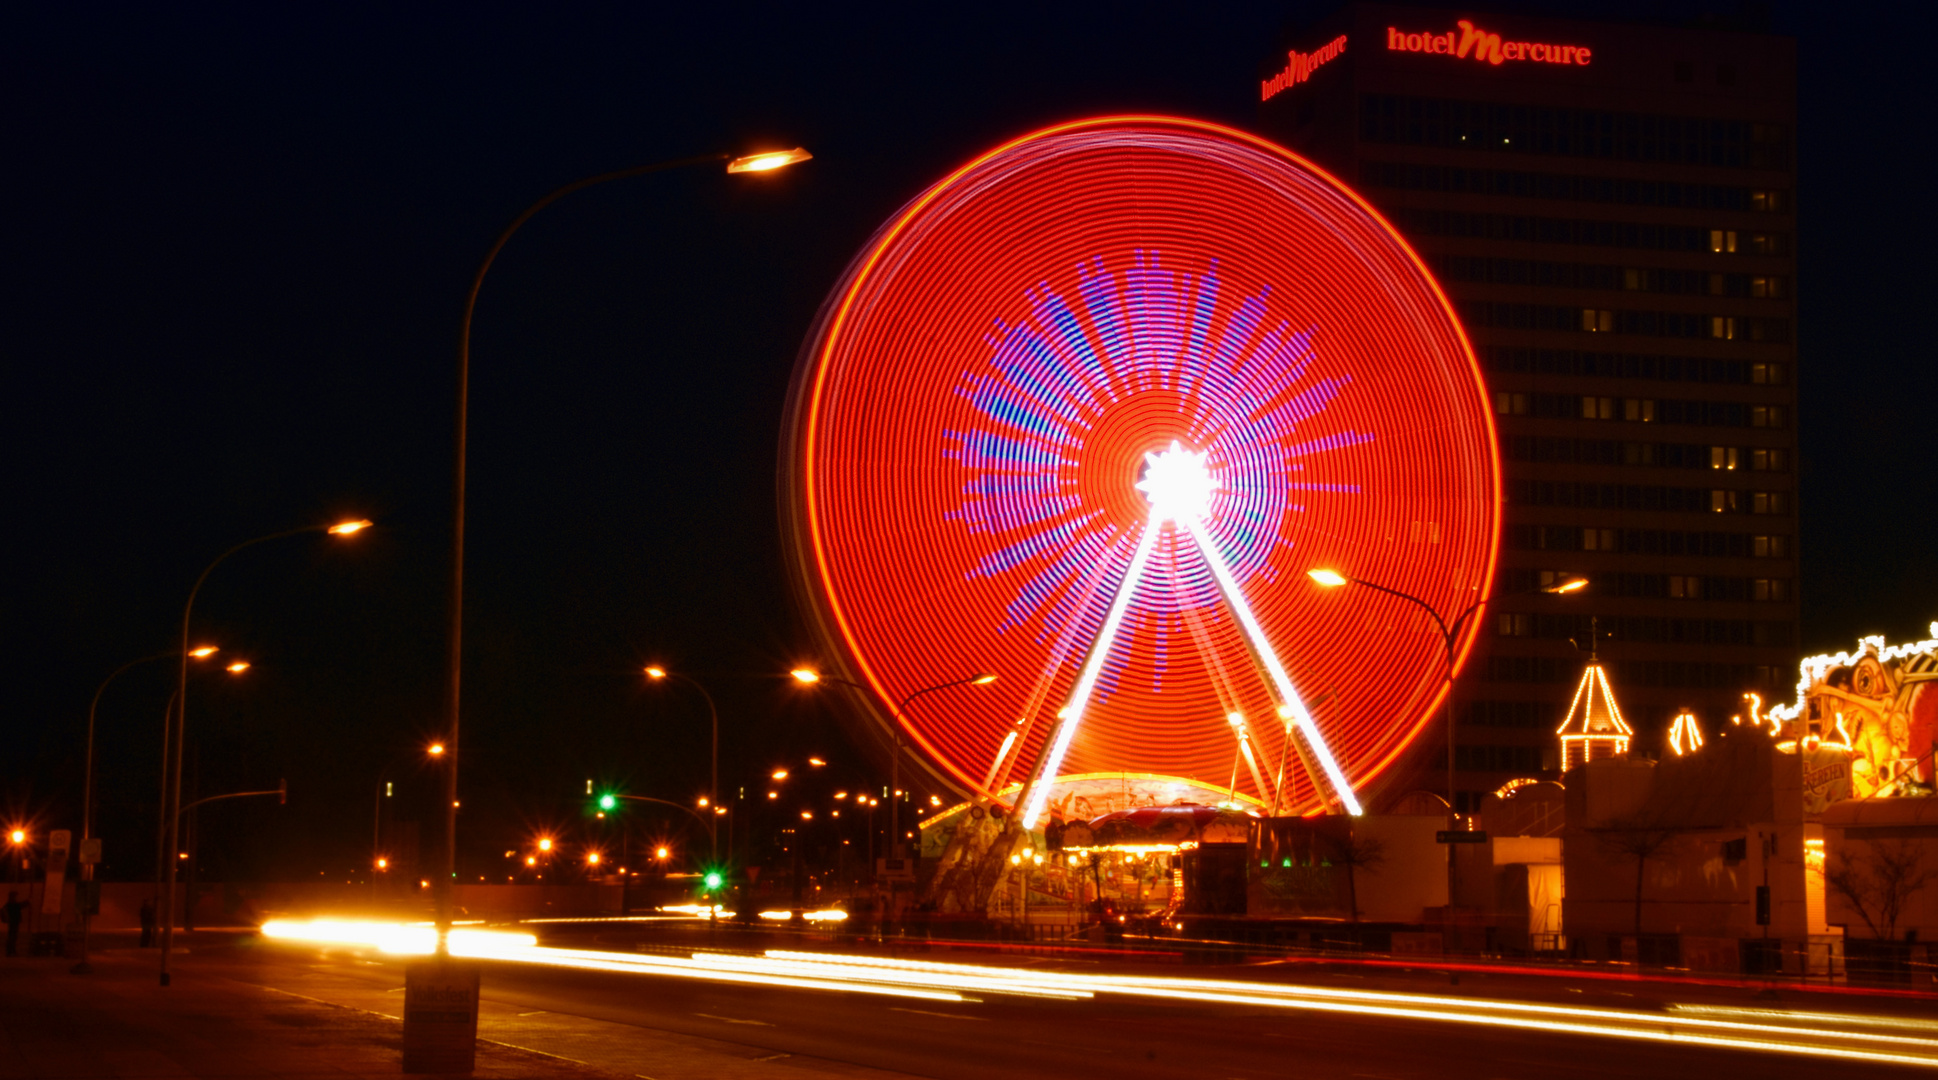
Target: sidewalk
x,y
119,1023
246,1012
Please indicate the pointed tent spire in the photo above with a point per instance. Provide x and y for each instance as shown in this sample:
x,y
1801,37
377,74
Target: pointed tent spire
x,y
1594,728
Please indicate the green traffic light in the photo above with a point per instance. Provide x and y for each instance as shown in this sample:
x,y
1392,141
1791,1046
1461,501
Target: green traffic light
x,y
714,879
608,801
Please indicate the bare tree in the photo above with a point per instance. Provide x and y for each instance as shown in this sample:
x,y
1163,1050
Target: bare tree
x,y
1353,851
1642,841
1880,883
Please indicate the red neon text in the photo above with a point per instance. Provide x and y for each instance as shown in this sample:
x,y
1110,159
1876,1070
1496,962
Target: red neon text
x,y
1472,41
1300,66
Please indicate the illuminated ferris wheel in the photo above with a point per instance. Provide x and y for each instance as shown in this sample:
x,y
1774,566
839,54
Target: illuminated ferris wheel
x,y
1084,412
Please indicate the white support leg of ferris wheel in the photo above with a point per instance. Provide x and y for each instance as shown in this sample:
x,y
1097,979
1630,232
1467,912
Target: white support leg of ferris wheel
x,y
1292,708
1093,666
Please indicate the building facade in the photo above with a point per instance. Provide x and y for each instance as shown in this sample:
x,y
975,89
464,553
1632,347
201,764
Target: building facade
x,y
1612,209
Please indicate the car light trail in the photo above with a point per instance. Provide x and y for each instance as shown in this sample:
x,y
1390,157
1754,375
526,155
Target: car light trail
x,y
1884,1040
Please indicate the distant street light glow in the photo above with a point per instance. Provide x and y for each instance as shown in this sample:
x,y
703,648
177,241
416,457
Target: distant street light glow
x,y
349,528
806,675
238,667
204,652
1331,579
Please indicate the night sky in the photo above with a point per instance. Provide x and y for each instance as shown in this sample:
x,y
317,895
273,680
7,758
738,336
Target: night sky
x,y
236,243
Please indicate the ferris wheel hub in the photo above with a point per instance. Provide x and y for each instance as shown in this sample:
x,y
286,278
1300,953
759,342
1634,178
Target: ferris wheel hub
x,y
1178,483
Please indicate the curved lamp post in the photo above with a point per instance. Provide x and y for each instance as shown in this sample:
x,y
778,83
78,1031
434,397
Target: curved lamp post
x,y
751,163
87,779
712,822
174,765
1449,632
810,677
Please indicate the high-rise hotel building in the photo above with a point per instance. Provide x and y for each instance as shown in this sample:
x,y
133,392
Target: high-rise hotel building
x,y
1612,208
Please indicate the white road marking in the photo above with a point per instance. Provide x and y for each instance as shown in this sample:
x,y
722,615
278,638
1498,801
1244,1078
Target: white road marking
x,y
731,1020
945,1016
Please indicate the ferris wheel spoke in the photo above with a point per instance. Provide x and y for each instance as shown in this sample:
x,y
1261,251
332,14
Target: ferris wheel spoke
x,y
1071,715
1292,706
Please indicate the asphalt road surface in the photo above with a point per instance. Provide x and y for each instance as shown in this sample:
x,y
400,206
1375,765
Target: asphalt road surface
x,y
1115,1036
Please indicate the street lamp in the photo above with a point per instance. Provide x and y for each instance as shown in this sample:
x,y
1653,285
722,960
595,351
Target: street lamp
x,y
172,812
660,674
1332,579
201,652
751,163
434,751
809,677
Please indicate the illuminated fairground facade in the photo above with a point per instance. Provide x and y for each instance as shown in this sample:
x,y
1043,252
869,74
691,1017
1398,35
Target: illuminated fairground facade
x,y
1793,837
1082,416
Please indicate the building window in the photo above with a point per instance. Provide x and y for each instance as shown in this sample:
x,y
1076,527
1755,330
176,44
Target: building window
x,y
1771,589
1763,243
1766,374
1685,587
1598,408
1722,502
1766,288
1769,461
1722,457
1722,241
1766,199
1600,540
1641,410
1597,320
1508,404
1722,327
1770,547
1766,416
1770,502
1515,624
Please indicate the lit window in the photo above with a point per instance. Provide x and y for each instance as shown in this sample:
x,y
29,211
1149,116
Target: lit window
x,y
1722,502
1767,288
1770,502
1598,408
1722,241
1685,587
1638,409
1769,547
1766,416
1769,460
1722,457
1597,320
1722,327
1771,589
1771,374
1599,540
1514,624
1511,404
1768,200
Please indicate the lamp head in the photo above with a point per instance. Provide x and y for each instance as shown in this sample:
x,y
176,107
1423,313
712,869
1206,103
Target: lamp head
x,y
768,161
983,680
656,672
238,667
349,528
204,652
1331,579
1571,585
806,675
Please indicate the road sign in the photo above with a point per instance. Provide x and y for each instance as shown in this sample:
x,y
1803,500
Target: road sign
x,y
91,851
895,869
1462,837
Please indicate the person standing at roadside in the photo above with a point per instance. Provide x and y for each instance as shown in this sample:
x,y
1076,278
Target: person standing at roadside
x,y
10,913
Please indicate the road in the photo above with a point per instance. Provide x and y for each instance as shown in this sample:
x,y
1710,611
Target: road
x,y
1119,1035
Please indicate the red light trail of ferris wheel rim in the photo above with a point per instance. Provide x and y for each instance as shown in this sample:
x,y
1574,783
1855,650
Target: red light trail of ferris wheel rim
x,y
925,553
